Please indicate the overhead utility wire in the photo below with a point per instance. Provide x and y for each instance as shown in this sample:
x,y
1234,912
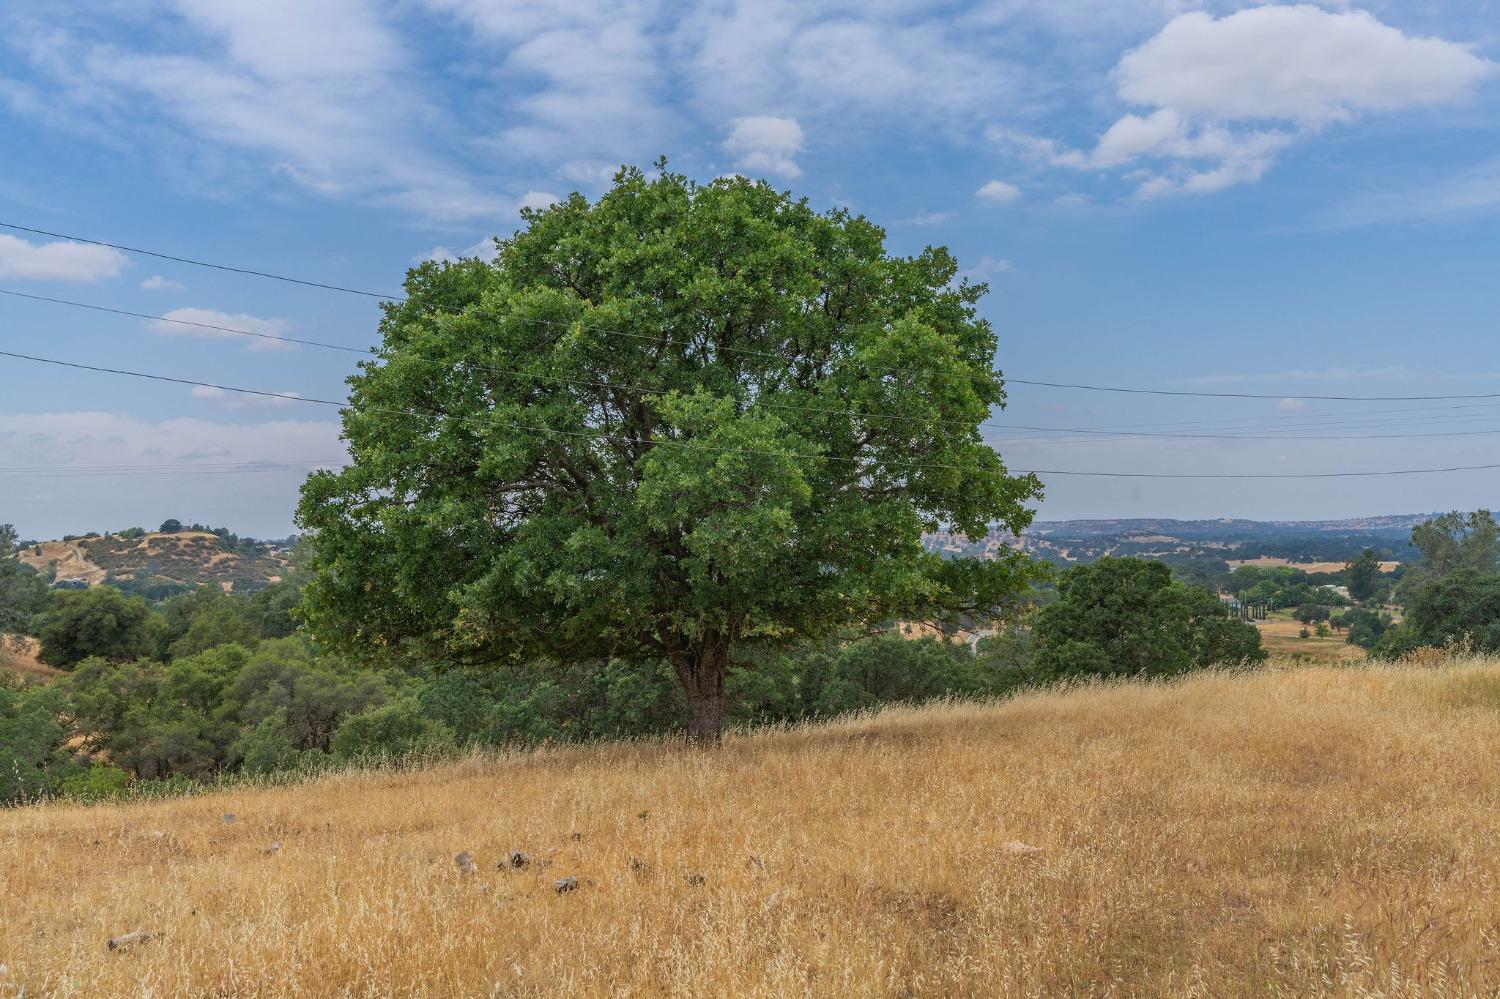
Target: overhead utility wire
x,y
735,450
1102,432
1016,381
196,263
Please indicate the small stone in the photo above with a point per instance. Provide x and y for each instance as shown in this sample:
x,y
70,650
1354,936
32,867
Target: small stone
x,y
563,885
273,848
696,879
465,864
515,859
126,939
227,818
1019,849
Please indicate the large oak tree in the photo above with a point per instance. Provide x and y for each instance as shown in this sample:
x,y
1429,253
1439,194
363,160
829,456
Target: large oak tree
x,y
668,423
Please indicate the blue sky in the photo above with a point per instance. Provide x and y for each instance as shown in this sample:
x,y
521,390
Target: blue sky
x,y
1270,199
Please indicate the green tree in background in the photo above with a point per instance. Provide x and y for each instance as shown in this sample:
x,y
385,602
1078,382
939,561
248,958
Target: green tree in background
x,y
1449,543
99,622
23,592
679,421
1126,617
32,760
1362,575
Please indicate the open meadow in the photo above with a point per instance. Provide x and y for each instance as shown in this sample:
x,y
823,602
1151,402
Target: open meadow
x,y
1295,831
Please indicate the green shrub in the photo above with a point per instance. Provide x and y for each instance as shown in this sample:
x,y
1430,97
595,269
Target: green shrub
x,y
100,782
394,730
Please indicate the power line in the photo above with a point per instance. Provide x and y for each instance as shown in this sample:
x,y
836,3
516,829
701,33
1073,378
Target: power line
x,y
1252,395
184,322
733,450
1263,475
199,263
163,471
1016,381
1113,434
434,414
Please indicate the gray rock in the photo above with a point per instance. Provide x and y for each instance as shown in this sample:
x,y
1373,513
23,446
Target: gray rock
x,y
227,818
127,939
465,864
562,885
515,860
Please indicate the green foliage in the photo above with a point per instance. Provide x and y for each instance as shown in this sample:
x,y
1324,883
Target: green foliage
x,y
1451,543
1461,607
1281,586
1366,627
1362,575
316,695
267,747
393,731
32,760
1310,613
99,622
100,782
1126,617
755,476
23,593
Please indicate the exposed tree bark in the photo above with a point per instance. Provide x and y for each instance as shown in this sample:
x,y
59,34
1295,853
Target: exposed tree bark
x,y
701,667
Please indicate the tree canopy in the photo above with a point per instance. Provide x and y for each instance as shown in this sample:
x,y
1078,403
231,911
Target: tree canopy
x,y
1126,617
676,421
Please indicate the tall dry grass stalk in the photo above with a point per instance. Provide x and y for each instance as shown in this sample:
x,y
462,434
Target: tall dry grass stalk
x,y
1297,832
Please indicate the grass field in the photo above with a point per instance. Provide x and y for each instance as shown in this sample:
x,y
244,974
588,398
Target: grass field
x,y
1281,638
1298,831
23,660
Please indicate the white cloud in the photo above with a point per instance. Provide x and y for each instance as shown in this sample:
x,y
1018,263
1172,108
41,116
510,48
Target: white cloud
x,y
988,267
1293,63
319,93
1227,95
931,218
538,200
242,400
765,144
584,80
158,283
202,322
998,190
838,60
1291,405
58,261
176,451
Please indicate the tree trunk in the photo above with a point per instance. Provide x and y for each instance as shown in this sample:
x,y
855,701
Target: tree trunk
x,y
701,669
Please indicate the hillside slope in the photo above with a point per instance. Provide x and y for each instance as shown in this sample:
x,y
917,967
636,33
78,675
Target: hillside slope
x,y
189,558
1304,832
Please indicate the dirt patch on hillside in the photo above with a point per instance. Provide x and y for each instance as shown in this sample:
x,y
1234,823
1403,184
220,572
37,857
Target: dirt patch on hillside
x,y
23,660
70,557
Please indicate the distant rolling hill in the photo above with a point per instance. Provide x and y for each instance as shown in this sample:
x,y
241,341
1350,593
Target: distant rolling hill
x,y
1304,542
157,563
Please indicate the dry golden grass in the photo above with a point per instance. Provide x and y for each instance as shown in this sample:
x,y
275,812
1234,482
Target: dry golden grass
x,y
23,660
1298,832
1266,562
1281,638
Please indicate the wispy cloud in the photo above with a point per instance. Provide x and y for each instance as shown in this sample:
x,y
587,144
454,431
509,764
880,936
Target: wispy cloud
x,y
211,324
58,261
